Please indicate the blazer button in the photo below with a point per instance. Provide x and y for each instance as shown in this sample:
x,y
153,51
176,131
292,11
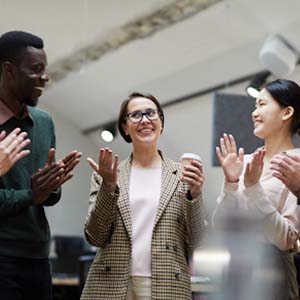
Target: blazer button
x,y
177,275
107,268
167,246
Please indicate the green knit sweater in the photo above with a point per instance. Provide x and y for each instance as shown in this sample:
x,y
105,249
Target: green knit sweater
x,y
24,230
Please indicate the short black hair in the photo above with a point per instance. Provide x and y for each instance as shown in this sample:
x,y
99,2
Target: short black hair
x,y
287,93
13,43
123,112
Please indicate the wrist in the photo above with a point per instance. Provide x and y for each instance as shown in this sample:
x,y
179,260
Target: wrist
x,y
109,187
192,195
39,199
250,183
229,180
189,195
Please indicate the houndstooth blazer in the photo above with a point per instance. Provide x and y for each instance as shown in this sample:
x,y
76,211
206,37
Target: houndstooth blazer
x,y
177,229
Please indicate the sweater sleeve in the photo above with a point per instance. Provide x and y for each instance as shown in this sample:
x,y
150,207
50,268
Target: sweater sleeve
x,y
12,202
228,201
281,228
101,214
53,198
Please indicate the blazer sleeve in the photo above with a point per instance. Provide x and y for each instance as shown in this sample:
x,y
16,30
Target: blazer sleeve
x,y
195,217
101,216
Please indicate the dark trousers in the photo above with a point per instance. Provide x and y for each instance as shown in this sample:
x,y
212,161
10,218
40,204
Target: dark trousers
x,y
25,279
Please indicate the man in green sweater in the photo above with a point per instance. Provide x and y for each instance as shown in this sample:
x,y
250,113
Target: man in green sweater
x,y
35,180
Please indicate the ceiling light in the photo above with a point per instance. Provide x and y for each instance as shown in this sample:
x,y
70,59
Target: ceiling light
x,y
108,132
257,83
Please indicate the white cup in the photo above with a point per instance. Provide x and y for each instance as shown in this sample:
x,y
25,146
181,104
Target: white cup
x,y
187,158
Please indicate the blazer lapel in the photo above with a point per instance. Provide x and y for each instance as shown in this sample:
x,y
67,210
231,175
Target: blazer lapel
x,y
170,180
123,203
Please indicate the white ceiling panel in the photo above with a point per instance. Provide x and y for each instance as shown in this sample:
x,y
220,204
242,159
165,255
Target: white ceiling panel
x,y
212,47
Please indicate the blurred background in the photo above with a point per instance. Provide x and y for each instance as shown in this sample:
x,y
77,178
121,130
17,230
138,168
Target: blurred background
x,y
181,51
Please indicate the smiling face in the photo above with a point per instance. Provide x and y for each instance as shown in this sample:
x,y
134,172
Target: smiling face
x,y
269,117
29,77
145,131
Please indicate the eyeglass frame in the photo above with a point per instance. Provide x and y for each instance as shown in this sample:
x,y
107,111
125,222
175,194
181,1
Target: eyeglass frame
x,y
158,112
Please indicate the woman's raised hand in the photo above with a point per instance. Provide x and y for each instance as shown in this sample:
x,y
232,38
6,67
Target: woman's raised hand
x,y
231,161
106,168
254,168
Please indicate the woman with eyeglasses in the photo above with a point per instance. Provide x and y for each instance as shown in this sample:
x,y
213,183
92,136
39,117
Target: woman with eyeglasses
x,y
145,214
252,187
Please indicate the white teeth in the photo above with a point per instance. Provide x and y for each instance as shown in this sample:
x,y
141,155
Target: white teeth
x,y
145,130
39,88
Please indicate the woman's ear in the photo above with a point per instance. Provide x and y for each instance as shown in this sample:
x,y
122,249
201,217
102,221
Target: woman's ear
x,y
125,128
288,113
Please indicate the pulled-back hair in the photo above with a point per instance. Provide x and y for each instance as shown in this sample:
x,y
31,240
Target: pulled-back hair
x,y
287,93
13,43
124,111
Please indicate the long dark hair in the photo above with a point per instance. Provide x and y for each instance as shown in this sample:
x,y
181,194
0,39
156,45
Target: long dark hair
x,y
287,93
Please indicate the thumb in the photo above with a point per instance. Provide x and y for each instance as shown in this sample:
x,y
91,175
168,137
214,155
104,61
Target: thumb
x,y
2,135
241,154
93,164
51,156
247,170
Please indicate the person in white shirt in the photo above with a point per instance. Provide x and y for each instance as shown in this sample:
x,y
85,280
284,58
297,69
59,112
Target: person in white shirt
x,y
249,182
145,213
12,149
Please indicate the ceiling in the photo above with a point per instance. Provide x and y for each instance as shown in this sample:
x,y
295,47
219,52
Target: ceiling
x,y
214,46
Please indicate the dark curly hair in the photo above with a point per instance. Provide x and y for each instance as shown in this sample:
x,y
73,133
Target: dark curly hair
x,y
13,43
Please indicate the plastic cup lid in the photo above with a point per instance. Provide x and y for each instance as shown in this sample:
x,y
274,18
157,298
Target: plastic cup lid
x,y
190,156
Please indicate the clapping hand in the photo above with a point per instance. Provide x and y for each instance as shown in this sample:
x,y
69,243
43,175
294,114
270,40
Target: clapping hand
x,y
254,168
11,149
106,168
231,162
286,167
70,161
53,175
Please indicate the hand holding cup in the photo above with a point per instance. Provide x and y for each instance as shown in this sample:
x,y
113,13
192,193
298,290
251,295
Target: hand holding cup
x,y
192,173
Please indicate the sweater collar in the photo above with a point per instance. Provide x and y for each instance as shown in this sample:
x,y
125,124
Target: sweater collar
x,y
6,113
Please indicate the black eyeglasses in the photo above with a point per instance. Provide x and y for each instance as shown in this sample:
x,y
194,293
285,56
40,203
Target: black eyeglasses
x,y
137,116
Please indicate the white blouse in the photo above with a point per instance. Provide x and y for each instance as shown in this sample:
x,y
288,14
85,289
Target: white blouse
x,y
144,194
